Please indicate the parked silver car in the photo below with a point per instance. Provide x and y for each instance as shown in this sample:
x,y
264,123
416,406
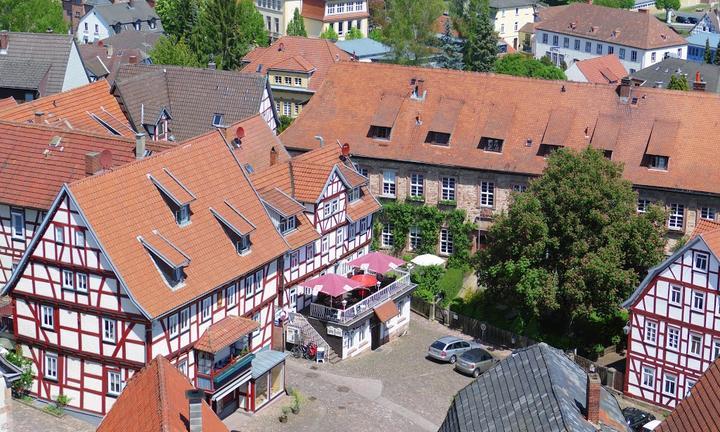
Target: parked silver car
x,y
475,362
449,348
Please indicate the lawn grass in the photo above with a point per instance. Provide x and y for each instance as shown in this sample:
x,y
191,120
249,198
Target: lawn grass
x,y
451,284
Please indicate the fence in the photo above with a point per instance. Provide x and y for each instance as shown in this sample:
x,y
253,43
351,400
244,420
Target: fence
x,y
609,377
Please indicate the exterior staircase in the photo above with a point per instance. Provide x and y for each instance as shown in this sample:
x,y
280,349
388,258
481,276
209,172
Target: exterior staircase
x,y
310,334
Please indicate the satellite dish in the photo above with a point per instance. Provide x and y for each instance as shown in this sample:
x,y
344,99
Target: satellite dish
x,y
106,159
346,149
240,133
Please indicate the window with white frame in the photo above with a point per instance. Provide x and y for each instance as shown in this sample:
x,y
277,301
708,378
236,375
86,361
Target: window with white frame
x,y
707,213
334,206
82,280
173,325
183,367
185,319
288,81
114,383
287,224
339,234
59,234
673,338
278,80
642,205
294,259
109,330
716,348
676,220
298,81
695,346
231,295
325,244
51,366
18,224
698,302
256,318
388,239
689,384
650,331
248,286
206,308
700,263
414,238
47,317
388,183
417,185
487,194
259,282
447,189
446,242
68,279
79,238
351,231
648,376
669,384
353,194
327,210
675,295
310,251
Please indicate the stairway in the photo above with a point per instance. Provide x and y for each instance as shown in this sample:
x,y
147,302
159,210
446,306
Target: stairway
x,y
310,334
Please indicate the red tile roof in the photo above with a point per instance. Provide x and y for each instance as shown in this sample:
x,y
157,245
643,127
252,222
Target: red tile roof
x,y
121,205
576,107
387,310
699,410
611,25
83,108
602,70
7,103
705,226
255,150
154,401
225,332
298,54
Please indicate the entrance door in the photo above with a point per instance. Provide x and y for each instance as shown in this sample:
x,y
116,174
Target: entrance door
x,y
228,404
375,326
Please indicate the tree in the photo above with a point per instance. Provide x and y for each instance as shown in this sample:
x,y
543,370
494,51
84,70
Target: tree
x,y
716,59
522,65
227,30
353,33
707,57
571,249
667,4
170,51
329,34
34,16
296,26
480,49
618,4
678,82
285,122
178,17
451,56
410,29
376,34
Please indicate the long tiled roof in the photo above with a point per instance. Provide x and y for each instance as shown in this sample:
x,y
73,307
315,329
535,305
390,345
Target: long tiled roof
x,y
41,53
611,25
298,54
497,106
120,206
191,95
154,401
83,108
536,389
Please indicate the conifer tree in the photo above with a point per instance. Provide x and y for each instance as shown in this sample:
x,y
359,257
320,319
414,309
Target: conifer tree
x,y
480,49
296,26
451,56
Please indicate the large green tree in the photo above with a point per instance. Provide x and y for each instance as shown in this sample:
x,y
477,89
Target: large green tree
x,y
480,50
451,56
571,249
618,4
227,30
410,28
522,65
667,4
329,34
296,26
170,51
35,16
678,82
178,17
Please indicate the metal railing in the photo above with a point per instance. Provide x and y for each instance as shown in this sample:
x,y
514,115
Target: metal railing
x,y
327,313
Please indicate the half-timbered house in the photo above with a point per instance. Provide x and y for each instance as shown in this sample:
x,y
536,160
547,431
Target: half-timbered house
x,y
173,255
674,330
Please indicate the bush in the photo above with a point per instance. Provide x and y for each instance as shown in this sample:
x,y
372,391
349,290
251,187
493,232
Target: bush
x,y
22,384
427,280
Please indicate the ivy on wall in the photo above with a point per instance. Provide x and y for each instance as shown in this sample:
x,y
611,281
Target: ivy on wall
x,y
428,220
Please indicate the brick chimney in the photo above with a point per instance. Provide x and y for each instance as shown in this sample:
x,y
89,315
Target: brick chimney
x,y
698,84
273,156
592,403
4,41
625,89
92,163
139,145
195,398
38,117
133,59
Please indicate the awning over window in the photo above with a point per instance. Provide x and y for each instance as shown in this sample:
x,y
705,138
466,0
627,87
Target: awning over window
x,y
231,217
387,311
172,187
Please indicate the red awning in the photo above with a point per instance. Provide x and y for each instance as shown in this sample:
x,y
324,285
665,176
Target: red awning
x,y
366,280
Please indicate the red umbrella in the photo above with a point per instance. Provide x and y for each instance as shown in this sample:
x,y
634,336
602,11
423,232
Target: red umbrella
x,y
332,284
376,262
366,280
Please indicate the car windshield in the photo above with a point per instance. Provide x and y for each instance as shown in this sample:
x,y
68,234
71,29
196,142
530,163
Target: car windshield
x,y
473,354
438,345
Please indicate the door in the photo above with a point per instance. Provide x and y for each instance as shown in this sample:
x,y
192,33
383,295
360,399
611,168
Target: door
x,y
375,340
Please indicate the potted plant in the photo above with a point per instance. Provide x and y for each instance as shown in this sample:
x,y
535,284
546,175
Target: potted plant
x,y
284,415
298,399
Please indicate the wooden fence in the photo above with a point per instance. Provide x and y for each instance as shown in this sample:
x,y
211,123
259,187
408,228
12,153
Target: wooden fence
x,y
609,377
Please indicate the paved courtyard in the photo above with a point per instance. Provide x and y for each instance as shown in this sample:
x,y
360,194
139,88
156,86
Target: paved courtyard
x,y
17,417
394,388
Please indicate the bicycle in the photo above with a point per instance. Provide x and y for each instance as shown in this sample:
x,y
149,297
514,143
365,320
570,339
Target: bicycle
x,y
308,351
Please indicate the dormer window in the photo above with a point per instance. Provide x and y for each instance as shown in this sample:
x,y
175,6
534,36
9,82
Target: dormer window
x,y
236,226
217,120
152,23
546,150
175,194
137,25
380,132
493,145
658,162
182,215
354,194
168,258
287,224
438,138
243,245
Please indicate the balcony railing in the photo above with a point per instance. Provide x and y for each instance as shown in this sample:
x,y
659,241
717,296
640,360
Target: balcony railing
x,y
325,313
231,369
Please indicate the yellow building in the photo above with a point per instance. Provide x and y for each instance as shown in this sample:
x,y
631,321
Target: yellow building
x,y
277,14
510,17
341,15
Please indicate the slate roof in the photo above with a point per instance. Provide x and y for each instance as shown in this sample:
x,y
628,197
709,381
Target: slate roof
x,y
191,95
365,48
142,40
616,26
535,389
496,106
699,410
38,53
602,70
154,400
298,54
699,39
662,71
123,14
102,65
82,108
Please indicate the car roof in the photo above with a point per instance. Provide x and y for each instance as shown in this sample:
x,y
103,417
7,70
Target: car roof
x,y
449,339
477,351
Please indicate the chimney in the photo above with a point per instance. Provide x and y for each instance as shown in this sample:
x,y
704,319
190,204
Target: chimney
x,y
139,145
133,59
592,402
110,51
273,156
92,163
699,84
4,41
195,398
38,117
281,46
321,139
643,11
625,89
